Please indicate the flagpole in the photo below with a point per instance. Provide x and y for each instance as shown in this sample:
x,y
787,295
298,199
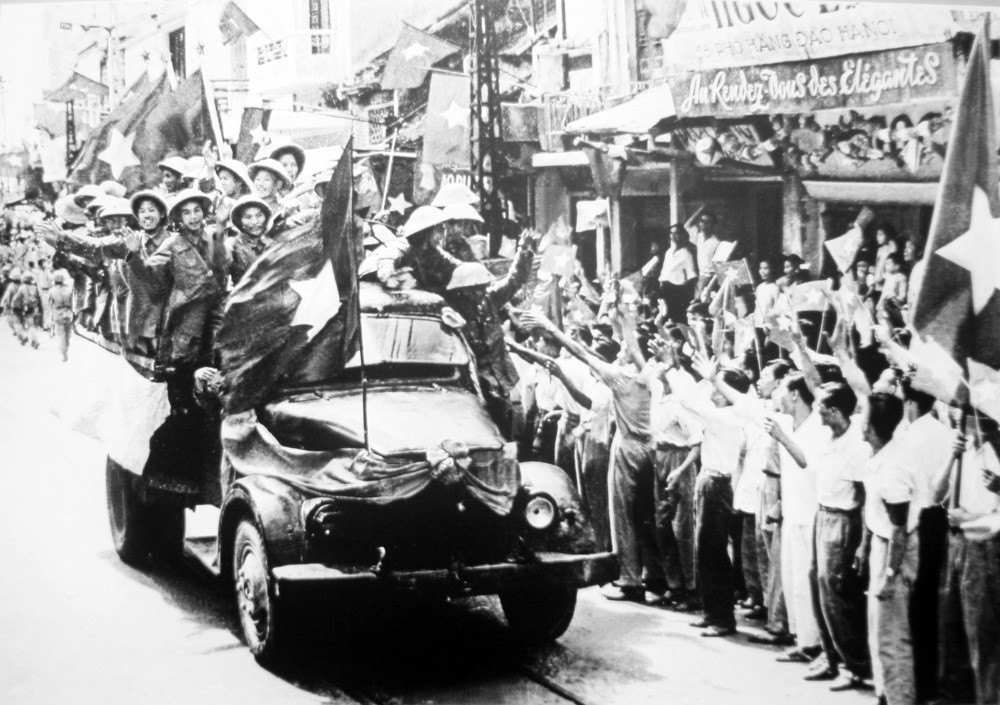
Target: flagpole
x,y
357,299
392,151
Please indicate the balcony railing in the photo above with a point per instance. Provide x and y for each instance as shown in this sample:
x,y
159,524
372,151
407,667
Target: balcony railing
x,y
566,106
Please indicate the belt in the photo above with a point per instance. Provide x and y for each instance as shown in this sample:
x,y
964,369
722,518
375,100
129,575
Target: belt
x,y
838,510
573,419
671,446
775,475
717,475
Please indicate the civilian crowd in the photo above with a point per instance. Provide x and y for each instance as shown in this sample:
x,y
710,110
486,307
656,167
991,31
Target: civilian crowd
x,y
745,453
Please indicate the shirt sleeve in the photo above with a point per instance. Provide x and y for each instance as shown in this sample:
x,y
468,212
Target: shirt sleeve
x,y
896,485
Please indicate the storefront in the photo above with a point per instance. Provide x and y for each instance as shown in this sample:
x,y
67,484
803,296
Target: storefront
x,y
791,119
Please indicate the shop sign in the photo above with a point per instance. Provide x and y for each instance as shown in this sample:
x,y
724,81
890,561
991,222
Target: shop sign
x,y
724,33
853,81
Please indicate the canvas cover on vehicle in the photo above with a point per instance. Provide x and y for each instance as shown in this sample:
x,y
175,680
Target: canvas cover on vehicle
x,y
251,449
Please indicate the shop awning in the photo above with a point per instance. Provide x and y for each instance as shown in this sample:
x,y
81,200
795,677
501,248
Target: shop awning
x,y
874,193
637,115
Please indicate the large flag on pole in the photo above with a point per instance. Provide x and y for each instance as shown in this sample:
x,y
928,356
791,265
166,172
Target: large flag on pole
x,y
293,318
412,57
142,130
957,305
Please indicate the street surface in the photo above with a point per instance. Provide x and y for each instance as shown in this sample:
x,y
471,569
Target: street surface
x,y
79,626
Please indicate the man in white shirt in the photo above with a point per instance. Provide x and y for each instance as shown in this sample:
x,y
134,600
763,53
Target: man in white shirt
x,y
678,275
799,433
970,599
839,530
928,442
702,227
892,512
722,447
678,446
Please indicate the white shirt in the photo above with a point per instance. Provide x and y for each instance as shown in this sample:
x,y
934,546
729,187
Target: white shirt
x,y
671,423
889,479
973,495
723,440
705,247
798,485
597,420
753,410
579,374
678,266
927,442
839,465
766,296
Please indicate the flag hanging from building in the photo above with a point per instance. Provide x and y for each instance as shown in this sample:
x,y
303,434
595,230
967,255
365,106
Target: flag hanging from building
x,y
412,58
957,304
293,318
148,125
446,127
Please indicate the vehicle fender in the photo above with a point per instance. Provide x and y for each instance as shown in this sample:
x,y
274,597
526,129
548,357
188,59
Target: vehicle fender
x,y
275,507
573,534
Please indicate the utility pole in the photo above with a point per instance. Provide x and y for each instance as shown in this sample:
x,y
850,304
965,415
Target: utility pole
x,y
484,104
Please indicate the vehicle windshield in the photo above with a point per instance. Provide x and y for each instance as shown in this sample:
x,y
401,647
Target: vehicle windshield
x,y
400,340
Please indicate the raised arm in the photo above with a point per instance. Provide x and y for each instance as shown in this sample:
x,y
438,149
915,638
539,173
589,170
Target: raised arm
x,y
577,350
504,290
692,222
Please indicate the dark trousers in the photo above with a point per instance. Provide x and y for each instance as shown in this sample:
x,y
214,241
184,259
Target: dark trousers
x,y
632,500
594,465
715,569
748,558
842,611
736,554
970,621
675,518
933,533
677,297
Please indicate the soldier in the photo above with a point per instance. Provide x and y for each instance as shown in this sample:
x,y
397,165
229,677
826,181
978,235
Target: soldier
x,y
60,306
475,294
27,305
14,282
269,177
232,182
418,249
251,217
459,228
292,159
172,172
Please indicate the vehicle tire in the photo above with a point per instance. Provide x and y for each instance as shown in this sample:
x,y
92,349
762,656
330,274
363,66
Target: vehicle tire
x,y
262,617
131,529
540,613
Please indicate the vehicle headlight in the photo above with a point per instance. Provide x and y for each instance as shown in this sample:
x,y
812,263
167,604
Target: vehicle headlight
x,y
540,511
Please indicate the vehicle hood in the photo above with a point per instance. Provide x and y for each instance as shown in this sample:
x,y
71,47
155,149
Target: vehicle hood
x,y
401,420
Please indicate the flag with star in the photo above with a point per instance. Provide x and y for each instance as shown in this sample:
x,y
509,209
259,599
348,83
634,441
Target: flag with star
x,y
736,272
149,124
412,58
809,296
957,304
446,130
293,318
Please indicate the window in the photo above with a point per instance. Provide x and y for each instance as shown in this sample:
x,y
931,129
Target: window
x,y
177,52
319,26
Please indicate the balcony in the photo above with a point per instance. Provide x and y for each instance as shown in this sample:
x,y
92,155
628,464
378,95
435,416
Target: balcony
x,y
298,63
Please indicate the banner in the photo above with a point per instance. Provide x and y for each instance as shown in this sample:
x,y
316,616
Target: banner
x,y
720,33
857,81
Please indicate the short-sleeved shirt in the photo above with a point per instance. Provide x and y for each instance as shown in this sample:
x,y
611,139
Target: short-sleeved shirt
x,y
598,418
705,247
798,485
678,266
928,443
579,374
766,296
839,468
629,398
746,497
723,441
890,479
973,495
670,421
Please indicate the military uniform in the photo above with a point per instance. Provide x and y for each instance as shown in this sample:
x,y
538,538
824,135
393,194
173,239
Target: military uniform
x,y
60,305
27,305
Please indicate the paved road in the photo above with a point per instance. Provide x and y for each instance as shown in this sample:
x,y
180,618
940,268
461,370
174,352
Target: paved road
x,y
79,626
